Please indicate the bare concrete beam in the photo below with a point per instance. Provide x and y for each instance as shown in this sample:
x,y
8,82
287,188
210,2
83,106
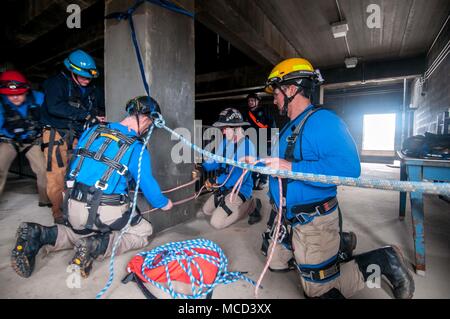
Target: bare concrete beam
x,y
41,16
245,25
364,72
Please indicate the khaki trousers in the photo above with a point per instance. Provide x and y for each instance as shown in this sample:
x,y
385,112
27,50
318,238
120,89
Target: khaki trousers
x,y
34,155
313,244
55,178
220,219
136,236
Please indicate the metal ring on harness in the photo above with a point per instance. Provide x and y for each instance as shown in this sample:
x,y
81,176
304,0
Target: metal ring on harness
x,y
123,170
101,185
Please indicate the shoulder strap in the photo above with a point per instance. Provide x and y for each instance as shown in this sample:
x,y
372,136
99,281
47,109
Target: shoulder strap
x,y
298,132
113,164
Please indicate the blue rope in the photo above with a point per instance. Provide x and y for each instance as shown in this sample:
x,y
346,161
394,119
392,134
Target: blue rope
x,y
173,7
186,251
139,56
394,185
133,213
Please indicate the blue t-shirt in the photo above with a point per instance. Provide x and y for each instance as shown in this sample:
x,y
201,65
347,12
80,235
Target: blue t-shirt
x,y
327,148
228,150
92,170
31,102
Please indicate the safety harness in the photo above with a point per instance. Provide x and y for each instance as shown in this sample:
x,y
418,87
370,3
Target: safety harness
x,y
93,195
305,214
220,194
17,125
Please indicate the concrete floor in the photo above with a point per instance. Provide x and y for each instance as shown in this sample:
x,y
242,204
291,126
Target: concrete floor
x,y
372,214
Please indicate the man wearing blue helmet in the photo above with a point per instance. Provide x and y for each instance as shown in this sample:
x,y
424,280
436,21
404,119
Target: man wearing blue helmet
x,y
96,202
71,101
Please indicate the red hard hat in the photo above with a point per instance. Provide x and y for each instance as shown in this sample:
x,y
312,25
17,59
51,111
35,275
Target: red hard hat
x,y
13,83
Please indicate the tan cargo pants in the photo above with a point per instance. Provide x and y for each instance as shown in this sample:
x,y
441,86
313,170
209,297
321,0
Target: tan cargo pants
x,y
34,155
313,244
136,236
55,177
220,219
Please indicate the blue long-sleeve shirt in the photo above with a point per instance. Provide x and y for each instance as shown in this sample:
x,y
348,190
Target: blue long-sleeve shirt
x,y
327,148
34,101
92,170
227,150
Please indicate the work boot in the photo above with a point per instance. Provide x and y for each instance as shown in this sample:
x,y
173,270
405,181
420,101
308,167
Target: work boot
x,y
348,245
58,217
87,250
393,267
255,216
42,204
30,238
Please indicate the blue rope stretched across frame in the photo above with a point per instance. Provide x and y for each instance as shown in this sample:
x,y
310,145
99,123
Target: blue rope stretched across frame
x,y
385,184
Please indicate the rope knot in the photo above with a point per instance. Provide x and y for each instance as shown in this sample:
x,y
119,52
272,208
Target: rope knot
x,y
159,120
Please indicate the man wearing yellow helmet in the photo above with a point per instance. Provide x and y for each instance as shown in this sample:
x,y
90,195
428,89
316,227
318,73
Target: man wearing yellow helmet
x,y
317,141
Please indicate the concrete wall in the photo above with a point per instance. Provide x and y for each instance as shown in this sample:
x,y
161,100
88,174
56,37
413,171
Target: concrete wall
x,y
434,97
352,104
167,44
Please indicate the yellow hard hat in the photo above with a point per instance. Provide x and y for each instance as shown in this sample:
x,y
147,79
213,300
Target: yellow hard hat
x,y
288,70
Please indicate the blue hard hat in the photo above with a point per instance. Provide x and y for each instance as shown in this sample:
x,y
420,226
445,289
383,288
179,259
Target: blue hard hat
x,y
81,63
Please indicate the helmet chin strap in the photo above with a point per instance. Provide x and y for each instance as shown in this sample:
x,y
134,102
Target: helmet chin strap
x,y
137,120
74,77
287,100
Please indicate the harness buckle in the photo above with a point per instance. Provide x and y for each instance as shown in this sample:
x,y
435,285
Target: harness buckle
x,y
123,170
100,185
281,235
308,275
70,183
305,218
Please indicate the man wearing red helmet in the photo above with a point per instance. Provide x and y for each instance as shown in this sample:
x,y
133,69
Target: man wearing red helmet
x,y
19,128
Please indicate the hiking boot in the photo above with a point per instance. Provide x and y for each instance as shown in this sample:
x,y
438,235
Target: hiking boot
x,y
348,245
30,239
87,250
393,267
41,204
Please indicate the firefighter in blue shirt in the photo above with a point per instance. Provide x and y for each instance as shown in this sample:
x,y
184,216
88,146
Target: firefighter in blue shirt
x,y
72,101
317,141
20,131
219,206
96,201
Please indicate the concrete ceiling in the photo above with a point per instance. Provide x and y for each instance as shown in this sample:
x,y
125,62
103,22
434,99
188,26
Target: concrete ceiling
x,y
264,31
408,28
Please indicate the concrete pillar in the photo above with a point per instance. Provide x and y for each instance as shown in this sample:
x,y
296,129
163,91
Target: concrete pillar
x,y
166,41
